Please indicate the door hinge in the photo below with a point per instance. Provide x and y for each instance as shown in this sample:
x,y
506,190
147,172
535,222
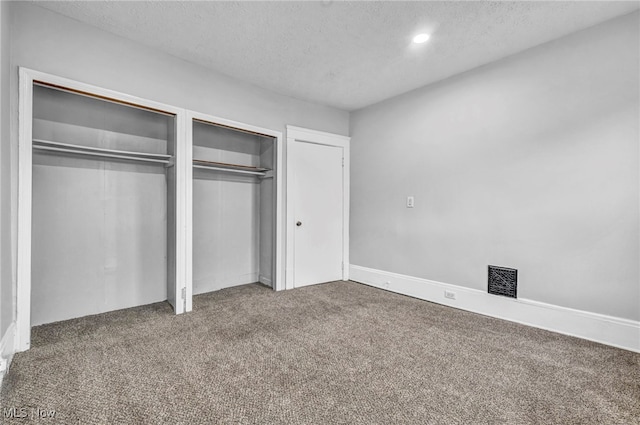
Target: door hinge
x,y
184,293
343,161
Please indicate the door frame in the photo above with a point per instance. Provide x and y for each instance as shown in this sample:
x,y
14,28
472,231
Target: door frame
x,y
297,135
26,78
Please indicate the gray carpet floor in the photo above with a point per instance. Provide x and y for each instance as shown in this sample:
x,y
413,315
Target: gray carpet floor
x,y
337,353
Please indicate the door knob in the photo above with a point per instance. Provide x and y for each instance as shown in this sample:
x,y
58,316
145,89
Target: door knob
x,y
299,223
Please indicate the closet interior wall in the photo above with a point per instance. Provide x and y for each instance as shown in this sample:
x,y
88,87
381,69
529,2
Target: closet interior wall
x,y
233,210
99,225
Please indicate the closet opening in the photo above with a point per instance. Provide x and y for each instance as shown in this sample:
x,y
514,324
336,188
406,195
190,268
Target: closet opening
x,y
103,195
234,207
123,201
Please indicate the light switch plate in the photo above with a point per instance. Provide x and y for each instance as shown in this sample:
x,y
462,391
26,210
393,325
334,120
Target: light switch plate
x,y
410,202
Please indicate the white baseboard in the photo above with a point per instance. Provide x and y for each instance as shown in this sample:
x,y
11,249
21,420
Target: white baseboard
x,y
265,280
7,349
614,331
216,283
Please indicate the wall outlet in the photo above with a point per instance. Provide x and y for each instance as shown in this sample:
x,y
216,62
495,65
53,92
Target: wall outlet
x,y
410,202
449,294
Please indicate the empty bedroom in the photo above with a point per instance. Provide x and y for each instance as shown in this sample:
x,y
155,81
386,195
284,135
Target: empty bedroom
x,y
320,212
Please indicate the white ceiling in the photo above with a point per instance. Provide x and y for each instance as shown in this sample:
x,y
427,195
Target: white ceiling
x,y
343,54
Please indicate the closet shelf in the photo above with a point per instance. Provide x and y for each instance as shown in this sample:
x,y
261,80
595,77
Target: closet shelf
x,y
231,168
47,145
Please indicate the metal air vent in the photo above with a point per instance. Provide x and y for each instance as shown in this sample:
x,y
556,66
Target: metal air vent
x,y
503,281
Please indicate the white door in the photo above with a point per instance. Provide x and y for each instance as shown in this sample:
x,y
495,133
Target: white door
x,y
318,212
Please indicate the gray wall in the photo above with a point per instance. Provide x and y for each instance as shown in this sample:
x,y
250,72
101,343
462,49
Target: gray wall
x,y
6,264
530,162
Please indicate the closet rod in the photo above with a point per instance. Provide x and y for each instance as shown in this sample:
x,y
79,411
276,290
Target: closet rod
x,y
101,154
40,142
230,170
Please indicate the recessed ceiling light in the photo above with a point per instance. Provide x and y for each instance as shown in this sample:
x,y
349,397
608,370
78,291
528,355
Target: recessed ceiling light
x,y
421,38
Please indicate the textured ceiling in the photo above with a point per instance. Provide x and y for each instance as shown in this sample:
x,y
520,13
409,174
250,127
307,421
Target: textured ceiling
x,y
343,54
